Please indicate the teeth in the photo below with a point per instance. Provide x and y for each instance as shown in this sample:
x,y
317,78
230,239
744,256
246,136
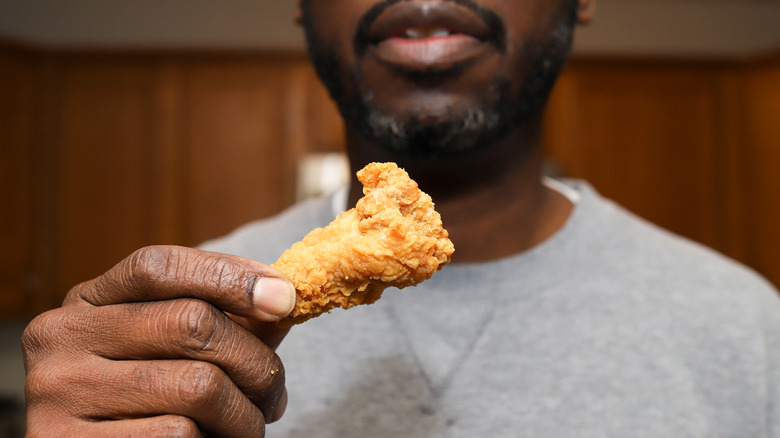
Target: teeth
x,y
422,33
440,33
413,34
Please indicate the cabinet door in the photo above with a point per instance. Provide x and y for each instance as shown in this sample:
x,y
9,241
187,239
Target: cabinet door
x,y
167,152
755,150
17,243
236,163
105,186
690,146
645,136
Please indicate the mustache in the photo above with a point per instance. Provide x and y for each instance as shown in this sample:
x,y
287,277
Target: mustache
x,y
490,18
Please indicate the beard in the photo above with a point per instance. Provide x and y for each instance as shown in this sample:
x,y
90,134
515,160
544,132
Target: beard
x,y
415,133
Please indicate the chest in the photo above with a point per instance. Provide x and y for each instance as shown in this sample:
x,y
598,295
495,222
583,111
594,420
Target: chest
x,y
510,370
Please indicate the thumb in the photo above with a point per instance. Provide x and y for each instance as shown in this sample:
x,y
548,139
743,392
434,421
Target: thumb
x,y
274,295
268,332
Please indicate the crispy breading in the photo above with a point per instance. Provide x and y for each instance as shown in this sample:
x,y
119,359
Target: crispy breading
x,y
392,237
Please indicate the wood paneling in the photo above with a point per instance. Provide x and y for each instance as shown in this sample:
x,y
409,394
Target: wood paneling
x,y
104,153
105,185
324,128
234,128
691,146
645,136
17,97
758,146
171,151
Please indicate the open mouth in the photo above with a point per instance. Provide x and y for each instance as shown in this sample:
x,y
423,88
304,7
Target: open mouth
x,y
428,35
422,33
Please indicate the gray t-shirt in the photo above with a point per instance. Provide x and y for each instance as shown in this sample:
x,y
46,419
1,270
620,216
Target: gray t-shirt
x,y
610,328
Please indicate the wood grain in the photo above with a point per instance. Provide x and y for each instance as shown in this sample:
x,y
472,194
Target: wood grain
x,y
105,152
17,197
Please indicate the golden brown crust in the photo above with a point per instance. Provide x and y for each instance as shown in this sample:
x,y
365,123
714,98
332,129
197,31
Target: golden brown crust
x,y
393,237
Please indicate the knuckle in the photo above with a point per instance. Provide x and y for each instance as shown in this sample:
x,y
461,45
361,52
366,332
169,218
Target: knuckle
x,y
221,272
273,368
201,383
59,329
199,326
40,334
43,383
34,335
176,427
275,371
270,378
44,425
150,264
36,386
77,292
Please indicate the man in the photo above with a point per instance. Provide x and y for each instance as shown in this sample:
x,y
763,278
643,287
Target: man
x,y
561,314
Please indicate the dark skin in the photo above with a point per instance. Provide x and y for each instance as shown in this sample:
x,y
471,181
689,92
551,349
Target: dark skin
x,y
167,343
505,196
491,200
177,342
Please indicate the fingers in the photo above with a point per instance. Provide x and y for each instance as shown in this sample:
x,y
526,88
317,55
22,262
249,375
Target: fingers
x,y
131,390
163,426
176,329
190,329
280,408
168,342
237,285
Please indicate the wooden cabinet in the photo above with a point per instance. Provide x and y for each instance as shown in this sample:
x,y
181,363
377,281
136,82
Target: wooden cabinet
x,y
645,135
104,184
236,161
752,133
105,152
691,146
120,151
17,214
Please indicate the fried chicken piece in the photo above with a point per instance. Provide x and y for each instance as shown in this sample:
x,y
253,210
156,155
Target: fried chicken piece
x,y
393,237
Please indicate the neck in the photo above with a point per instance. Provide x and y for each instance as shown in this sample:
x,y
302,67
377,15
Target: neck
x,y
492,202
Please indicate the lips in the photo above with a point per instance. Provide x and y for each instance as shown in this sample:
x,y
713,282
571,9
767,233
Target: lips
x,y
427,35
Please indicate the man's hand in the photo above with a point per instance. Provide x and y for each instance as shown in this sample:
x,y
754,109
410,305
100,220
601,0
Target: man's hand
x,y
170,342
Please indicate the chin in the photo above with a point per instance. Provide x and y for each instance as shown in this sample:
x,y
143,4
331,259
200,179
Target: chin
x,y
427,114
431,136
441,126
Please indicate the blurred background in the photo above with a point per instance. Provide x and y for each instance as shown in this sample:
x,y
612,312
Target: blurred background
x,y
127,123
